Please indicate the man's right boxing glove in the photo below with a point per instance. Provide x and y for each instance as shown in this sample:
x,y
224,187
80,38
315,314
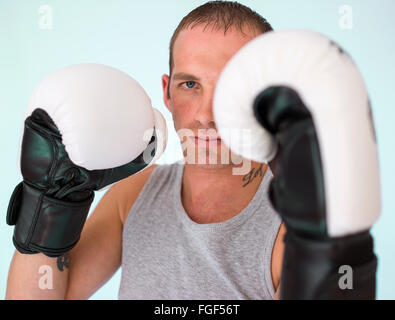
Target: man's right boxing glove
x,y
306,104
87,126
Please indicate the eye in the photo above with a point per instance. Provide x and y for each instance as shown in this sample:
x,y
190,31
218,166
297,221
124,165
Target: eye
x,y
190,84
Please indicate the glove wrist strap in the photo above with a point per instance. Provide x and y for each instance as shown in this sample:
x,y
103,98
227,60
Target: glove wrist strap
x,y
44,224
333,268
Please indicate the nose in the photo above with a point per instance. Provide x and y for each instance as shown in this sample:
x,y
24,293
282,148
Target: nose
x,y
204,113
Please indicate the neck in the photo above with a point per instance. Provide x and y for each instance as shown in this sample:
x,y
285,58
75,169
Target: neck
x,y
216,194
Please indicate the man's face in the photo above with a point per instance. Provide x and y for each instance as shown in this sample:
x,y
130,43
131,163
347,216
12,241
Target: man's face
x,y
198,59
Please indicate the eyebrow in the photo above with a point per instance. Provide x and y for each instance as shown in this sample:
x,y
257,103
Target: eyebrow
x,y
185,76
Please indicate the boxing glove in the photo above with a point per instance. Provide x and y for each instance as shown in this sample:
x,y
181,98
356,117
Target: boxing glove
x,y
87,126
310,115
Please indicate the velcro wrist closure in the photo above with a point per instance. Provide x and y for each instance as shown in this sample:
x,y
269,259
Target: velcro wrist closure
x,y
44,224
333,268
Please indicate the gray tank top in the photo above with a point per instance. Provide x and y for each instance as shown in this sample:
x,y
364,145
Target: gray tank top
x,y
166,255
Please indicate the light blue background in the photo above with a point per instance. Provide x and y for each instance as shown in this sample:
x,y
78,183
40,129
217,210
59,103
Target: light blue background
x,y
134,37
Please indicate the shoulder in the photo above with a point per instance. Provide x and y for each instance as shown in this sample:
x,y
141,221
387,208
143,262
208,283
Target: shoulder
x,y
127,190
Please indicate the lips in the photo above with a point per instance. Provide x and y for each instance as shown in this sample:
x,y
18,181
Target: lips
x,y
206,137
206,141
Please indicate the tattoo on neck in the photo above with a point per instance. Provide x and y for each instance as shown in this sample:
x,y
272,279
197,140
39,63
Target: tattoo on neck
x,y
63,261
249,177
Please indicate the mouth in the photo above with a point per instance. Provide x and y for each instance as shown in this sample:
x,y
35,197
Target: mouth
x,y
206,141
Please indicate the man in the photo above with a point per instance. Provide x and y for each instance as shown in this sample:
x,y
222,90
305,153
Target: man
x,y
179,232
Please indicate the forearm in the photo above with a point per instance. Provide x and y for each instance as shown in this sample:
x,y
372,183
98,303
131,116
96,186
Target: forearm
x,y
36,276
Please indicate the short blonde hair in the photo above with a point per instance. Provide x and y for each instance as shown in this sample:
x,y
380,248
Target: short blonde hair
x,y
220,15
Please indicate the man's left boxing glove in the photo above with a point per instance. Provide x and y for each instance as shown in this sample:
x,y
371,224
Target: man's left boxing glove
x,y
87,126
306,103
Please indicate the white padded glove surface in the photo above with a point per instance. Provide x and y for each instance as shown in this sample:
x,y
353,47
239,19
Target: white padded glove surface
x,y
333,90
101,113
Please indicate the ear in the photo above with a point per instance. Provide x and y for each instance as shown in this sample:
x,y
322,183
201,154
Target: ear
x,y
165,85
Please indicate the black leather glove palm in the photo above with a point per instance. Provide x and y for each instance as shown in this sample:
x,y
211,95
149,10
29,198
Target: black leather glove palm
x,y
312,258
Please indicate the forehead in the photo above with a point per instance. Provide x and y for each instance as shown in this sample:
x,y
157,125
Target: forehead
x,y
199,50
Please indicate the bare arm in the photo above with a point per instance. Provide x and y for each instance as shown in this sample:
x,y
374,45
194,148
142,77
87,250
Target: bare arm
x,y
91,263
98,254
37,276
277,260
277,294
